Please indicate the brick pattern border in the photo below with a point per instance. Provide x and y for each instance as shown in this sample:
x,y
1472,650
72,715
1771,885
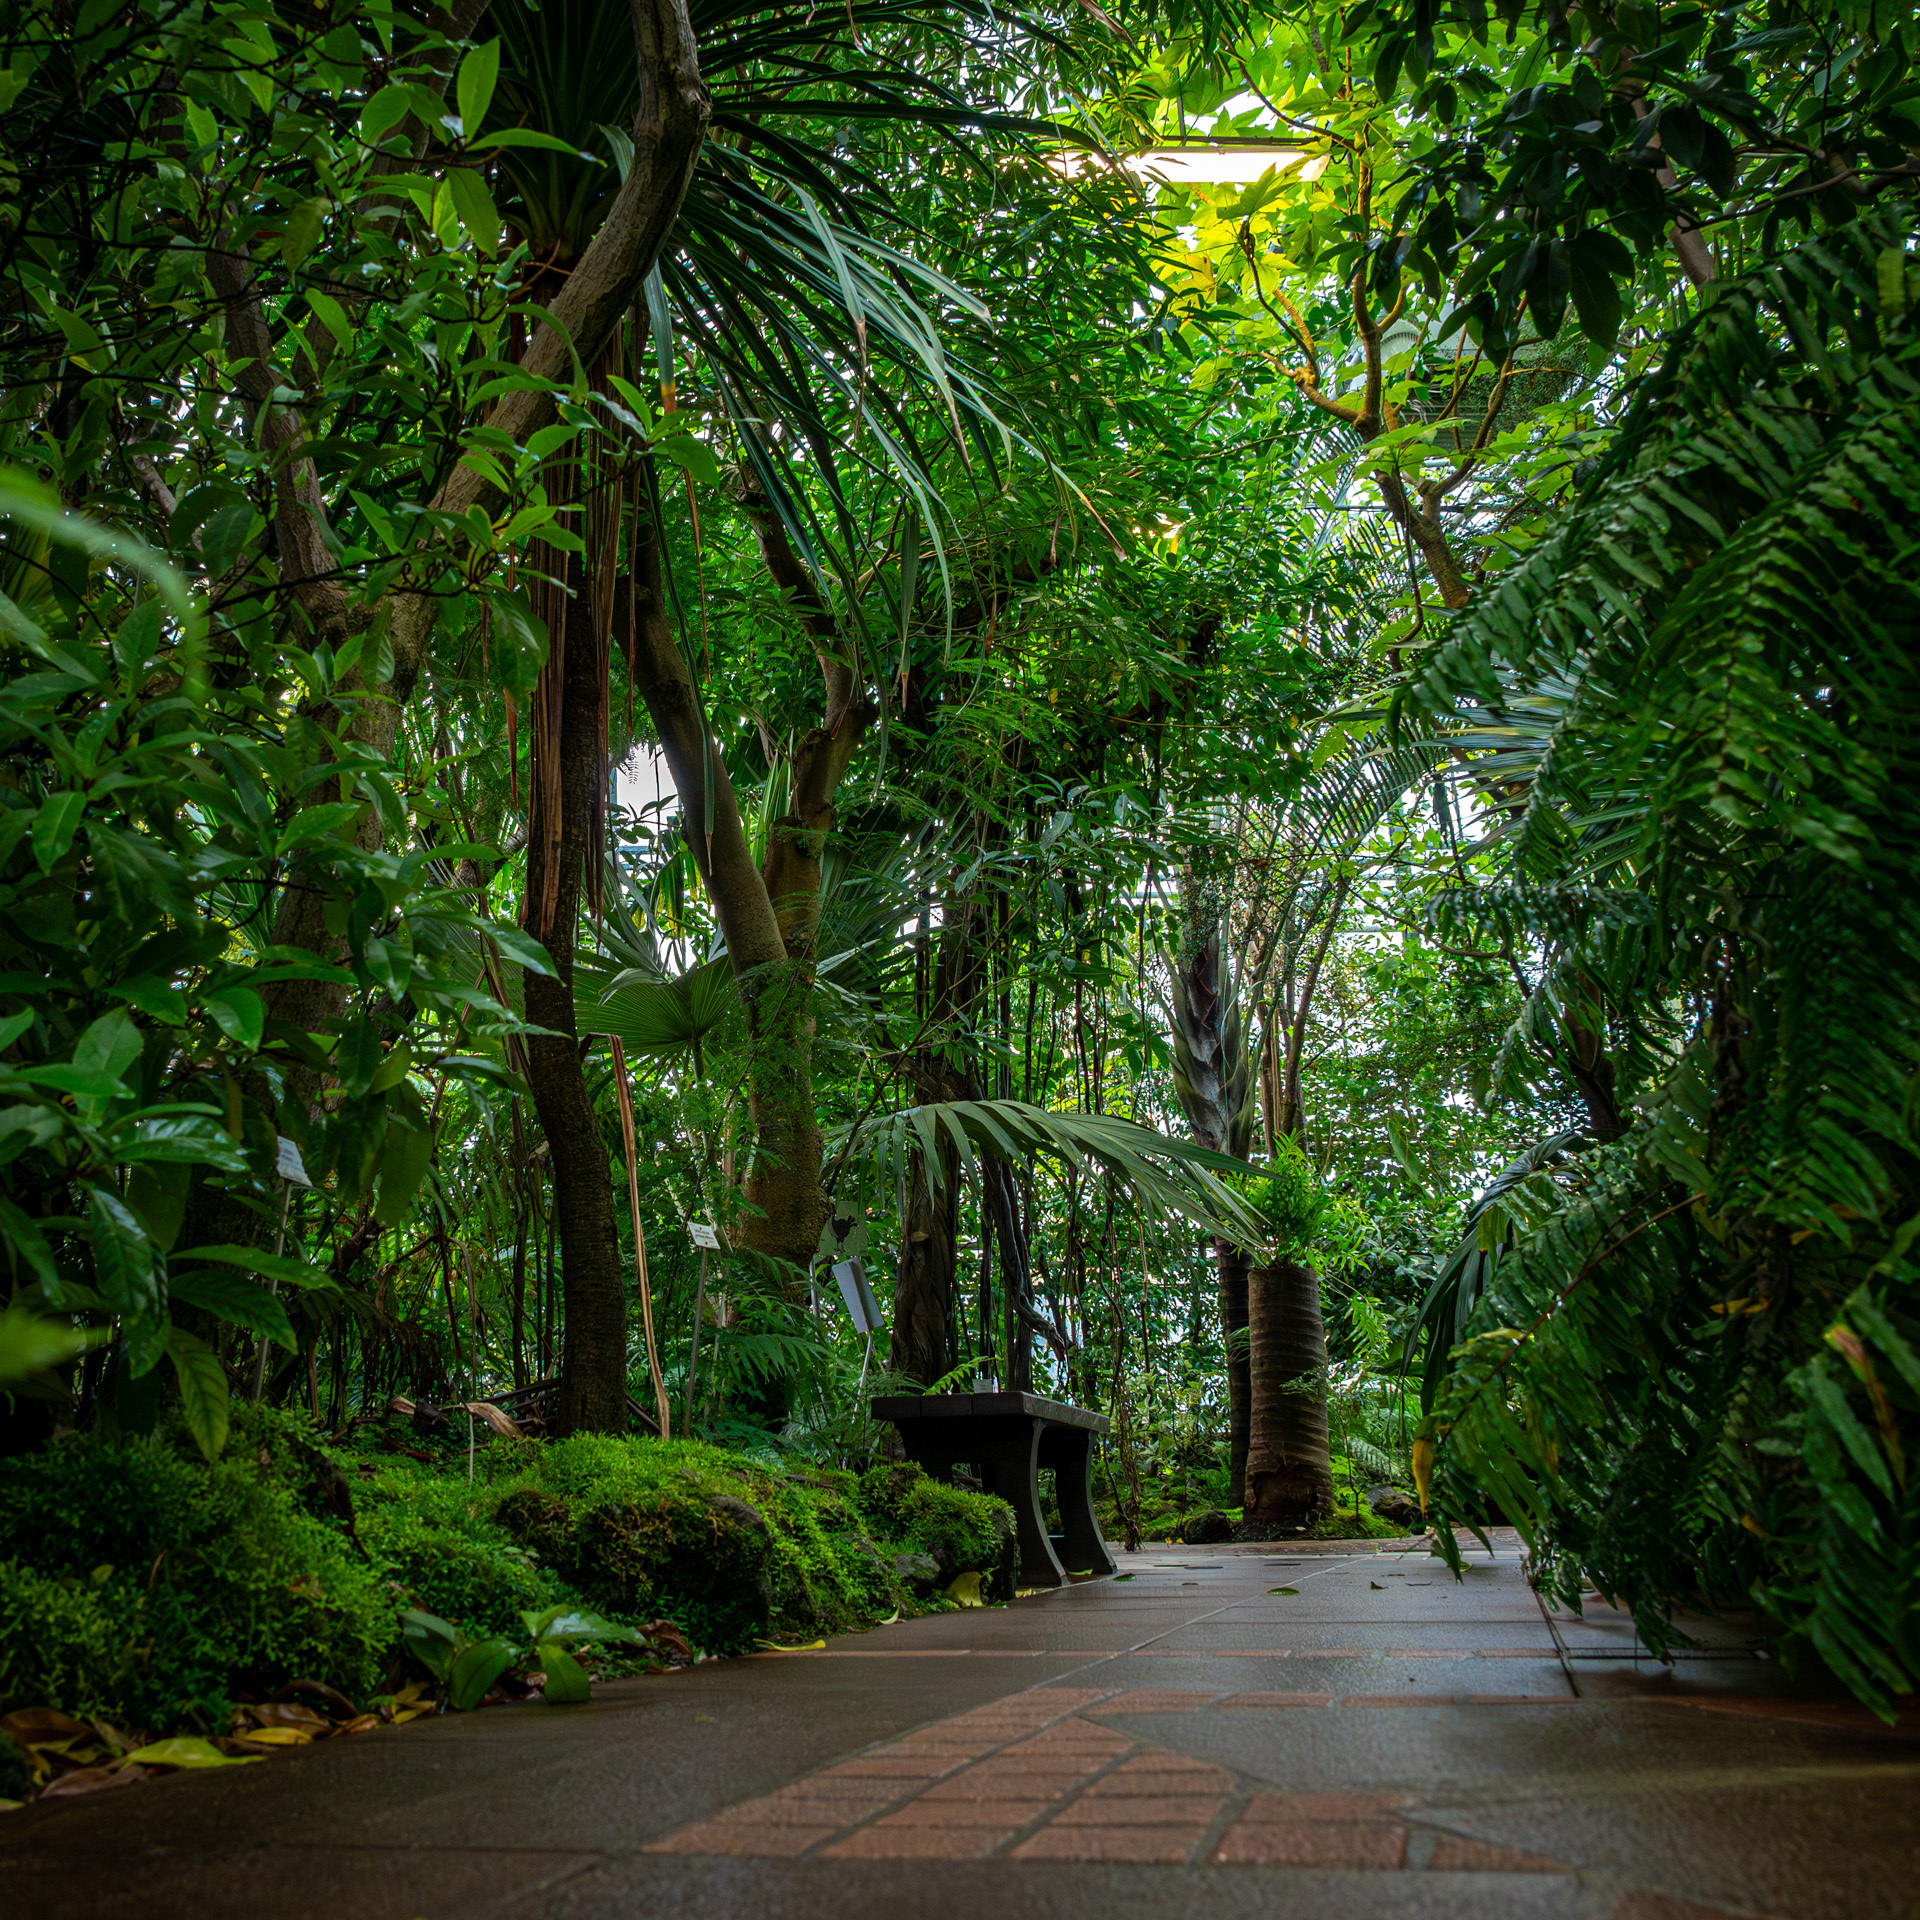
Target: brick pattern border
x,y
1032,1777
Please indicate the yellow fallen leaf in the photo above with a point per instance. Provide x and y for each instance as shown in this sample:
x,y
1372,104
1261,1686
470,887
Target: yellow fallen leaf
x,y
186,1750
812,1646
966,1589
277,1737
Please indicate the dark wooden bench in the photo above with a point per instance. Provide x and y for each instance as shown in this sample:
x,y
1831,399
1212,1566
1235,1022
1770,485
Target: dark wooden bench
x,y
1007,1438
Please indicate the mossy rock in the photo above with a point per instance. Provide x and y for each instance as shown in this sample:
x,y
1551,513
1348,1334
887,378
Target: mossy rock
x,y
961,1531
541,1522
704,1557
1207,1528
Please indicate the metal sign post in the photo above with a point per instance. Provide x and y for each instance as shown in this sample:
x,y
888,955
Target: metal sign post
x,y
707,1238
292,1171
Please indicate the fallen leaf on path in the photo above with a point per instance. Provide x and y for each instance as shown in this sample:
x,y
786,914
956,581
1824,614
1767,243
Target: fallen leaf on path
x,y
91,1779
965,1588
1283,1589
812,1646
361,1723
274,1737
1376,1586
280,1713
32,1726
187,1750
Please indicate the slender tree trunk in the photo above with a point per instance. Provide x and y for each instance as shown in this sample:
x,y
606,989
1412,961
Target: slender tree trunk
x,y
758,912
1289,1458
592,1396
923,1281
1232,1263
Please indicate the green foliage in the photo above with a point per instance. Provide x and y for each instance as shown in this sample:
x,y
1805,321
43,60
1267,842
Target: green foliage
x,y
149,1584
1717,847
469,1668
140,811
434,1533
730,1550
964,1532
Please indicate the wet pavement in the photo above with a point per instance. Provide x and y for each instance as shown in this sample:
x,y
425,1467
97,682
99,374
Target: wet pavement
x,y
1224,1732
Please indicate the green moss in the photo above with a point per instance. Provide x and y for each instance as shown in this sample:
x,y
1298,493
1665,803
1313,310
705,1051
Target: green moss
x,y
963,1531
149,1586
732,1550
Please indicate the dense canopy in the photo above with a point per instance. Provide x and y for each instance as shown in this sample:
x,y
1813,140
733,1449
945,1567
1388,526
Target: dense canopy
x,y
1232,688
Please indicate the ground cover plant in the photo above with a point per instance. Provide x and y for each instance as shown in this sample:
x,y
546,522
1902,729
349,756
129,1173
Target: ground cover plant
x,y
643,652
166,1592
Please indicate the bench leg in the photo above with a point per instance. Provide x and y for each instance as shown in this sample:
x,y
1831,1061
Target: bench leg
x,y
1069,1452
1012,1471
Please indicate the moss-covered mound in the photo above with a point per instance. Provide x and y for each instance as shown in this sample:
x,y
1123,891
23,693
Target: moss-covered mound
x,y
729,1549
142,1584
145,1586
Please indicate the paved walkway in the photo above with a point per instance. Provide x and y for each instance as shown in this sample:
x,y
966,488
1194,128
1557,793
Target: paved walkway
x,y
1182,1741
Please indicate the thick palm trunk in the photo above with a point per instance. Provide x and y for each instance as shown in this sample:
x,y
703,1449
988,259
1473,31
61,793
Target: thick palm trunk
x,y
1232,1263
1289,1459
593,1372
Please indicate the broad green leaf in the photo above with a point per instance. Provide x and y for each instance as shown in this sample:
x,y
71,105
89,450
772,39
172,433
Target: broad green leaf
x,y
203,1391
332,315
383,113
124,1258
567,1684
479,72
109,1046
272,1266
305,225
240,1014
318,823
30,1343
474,1670
694,455
520,947
430,1640
188,1139
530,137
403,1165
55,825
234,1297
474,206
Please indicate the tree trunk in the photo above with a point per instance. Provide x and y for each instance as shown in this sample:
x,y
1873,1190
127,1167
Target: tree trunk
x,y
592,1395
1232,1263
923,1281
758,911
1289,1460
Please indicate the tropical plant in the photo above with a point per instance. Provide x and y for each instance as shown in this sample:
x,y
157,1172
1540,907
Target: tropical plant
x,y
1694,1371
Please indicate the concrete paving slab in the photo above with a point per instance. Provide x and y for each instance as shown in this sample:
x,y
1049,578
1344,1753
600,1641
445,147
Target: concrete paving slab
x,y
1183,1743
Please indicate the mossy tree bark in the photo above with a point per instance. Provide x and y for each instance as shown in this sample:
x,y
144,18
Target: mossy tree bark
x,y
769,914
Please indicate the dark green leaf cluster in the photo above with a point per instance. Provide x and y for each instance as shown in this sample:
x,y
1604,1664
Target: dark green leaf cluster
x,y
1695,1370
